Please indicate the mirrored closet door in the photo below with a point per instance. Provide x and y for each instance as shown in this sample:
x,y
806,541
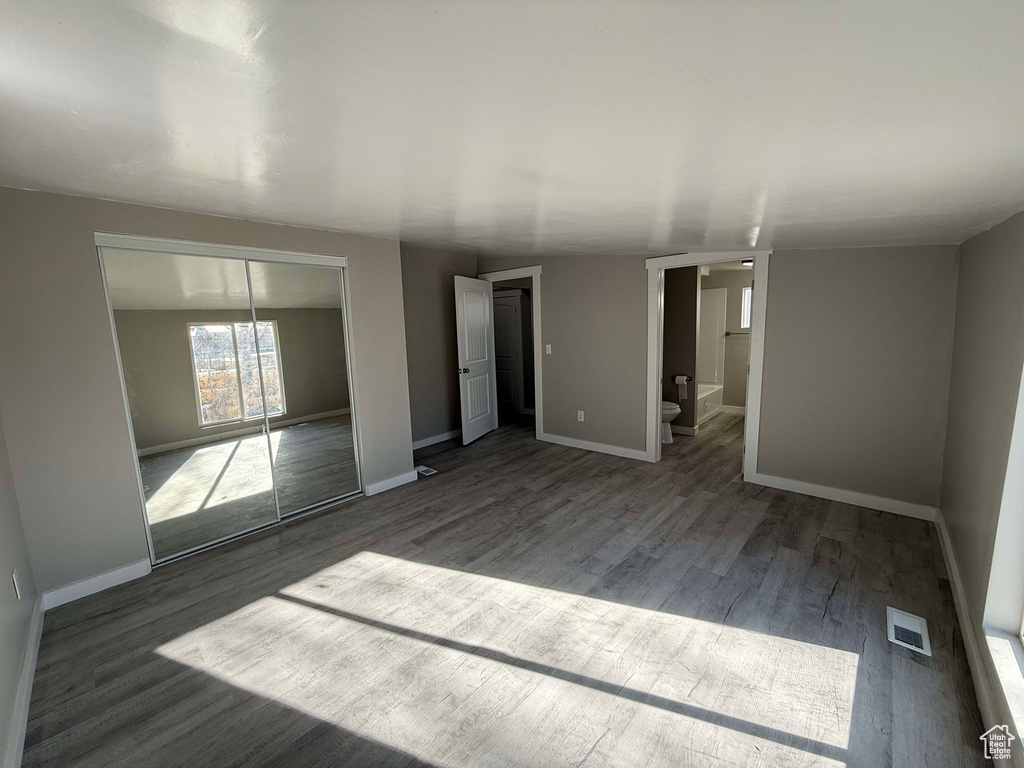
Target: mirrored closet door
x,y
236,381
299,315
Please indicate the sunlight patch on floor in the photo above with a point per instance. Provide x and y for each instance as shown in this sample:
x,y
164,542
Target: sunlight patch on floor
x,y
219,474
454,667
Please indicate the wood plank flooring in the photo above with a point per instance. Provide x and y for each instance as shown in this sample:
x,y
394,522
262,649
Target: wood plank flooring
x,y
205,493
531,605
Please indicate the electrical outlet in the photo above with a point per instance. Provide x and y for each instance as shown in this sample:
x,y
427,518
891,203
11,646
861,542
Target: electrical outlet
x,y
547,349
579,415
17,587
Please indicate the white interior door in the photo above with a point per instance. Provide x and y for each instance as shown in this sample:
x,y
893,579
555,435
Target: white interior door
x,y
474,321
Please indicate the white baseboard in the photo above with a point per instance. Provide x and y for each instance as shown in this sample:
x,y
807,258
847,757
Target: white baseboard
x,y
23,695
897,507
94,584
972,643
392,482
691,431
436,439
587,445
738,409
218,436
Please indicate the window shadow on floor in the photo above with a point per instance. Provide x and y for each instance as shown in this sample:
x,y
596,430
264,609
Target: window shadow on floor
x,y
684,538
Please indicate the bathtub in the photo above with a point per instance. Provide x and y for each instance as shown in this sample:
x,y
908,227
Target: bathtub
x,y
709,401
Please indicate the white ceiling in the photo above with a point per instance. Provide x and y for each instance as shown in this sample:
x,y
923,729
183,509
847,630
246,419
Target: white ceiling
x,y
148,280
589,126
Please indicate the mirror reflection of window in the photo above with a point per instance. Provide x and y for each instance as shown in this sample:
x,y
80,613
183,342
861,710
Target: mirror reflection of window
x,y
215,364
227,371
236,380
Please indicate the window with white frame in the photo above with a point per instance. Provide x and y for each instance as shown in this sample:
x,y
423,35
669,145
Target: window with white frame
x,y
748,296
227,364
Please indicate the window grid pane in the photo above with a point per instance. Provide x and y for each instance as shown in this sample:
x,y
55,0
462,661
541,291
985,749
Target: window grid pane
x,y
272,386
228,373
248,371
213,353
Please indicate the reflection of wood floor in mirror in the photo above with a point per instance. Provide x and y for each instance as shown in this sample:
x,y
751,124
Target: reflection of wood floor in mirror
x,y
201,494
530,605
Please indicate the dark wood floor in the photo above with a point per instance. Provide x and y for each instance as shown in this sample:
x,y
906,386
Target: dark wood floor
x,y
206,493
530,605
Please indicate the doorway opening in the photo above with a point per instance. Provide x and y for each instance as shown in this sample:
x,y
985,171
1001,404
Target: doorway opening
x,y
705,347
513,351
498,322
521,394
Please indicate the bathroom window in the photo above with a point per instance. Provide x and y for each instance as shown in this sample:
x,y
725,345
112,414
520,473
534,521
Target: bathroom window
x,y
226,366
748,295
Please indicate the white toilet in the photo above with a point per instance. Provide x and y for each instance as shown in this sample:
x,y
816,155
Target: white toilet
x,y
668,412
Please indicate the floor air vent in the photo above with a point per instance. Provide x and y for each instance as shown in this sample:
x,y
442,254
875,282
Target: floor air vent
x,y
908,630
425,471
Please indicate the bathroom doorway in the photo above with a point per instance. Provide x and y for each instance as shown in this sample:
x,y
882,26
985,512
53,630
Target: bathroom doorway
x,y
705,345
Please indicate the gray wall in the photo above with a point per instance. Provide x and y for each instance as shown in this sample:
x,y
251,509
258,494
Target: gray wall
x,y
988,354
156,356
857,360
737,348
594,316
431,346
679,342
15,616
66,426
856,368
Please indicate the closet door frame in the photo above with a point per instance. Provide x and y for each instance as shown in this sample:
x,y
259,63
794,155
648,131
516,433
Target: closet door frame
x,y
244,254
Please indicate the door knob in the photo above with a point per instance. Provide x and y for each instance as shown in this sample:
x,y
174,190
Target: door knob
x,y
464,370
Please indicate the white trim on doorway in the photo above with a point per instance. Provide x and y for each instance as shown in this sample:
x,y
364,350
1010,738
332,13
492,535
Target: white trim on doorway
x,y
538,353
655,329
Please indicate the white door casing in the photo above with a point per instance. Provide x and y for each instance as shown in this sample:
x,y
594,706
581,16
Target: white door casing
x,y
474,323
655,336
536,324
